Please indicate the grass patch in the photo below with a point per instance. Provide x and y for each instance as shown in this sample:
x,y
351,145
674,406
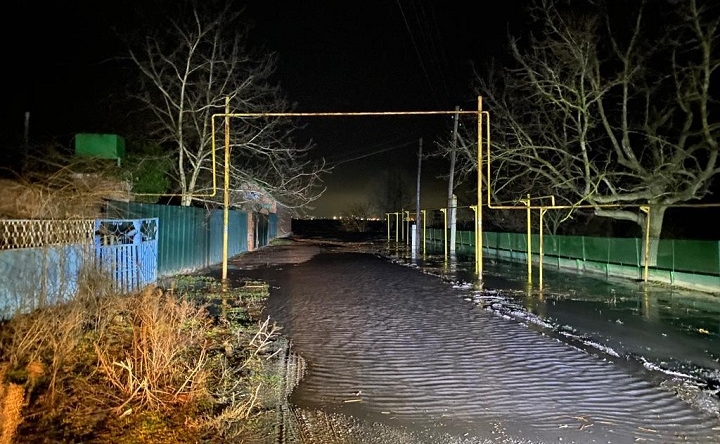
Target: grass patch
x,y
282,241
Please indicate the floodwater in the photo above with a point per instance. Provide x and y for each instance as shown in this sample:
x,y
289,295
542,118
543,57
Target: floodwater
x,y
673,331
416,343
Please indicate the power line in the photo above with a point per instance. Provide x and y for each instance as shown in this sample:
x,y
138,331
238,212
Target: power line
x,y
427,40
374,152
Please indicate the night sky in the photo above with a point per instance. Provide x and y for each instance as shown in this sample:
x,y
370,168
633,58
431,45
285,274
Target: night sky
x,y
375,55
380,56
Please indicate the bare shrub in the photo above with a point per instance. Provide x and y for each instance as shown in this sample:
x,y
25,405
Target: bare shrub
x,y
23,339
106,366
46,337
239,388
62,187
164,363
12,400
66,333
97,294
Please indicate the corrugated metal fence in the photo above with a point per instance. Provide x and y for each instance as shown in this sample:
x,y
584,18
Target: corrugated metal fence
x,y
192,238
41,261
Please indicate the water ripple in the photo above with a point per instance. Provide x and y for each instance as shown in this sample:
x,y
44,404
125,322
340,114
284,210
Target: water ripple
x,y
386,341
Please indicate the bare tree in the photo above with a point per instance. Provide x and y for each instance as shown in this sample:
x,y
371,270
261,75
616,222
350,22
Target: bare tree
x,y
461,149
188,71
355,216
606,109
395,192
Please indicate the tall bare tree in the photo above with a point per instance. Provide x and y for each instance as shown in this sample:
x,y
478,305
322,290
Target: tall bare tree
x,y
189,67
602,106
394,192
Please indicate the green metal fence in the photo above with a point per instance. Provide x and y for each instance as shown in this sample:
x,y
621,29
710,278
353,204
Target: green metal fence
x,y
692,262
189,238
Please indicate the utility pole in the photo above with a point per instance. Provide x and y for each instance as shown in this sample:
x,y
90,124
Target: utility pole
x,y
451,199
416,239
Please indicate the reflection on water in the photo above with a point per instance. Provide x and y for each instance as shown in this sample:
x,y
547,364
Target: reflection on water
x,y
391,342
671,330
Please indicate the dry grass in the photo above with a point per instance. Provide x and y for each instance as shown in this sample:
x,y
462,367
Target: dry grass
x,y
239,403
13,398
155,371
62,189
113,368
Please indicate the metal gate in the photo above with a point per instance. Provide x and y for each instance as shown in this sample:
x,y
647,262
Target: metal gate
x,y
127,250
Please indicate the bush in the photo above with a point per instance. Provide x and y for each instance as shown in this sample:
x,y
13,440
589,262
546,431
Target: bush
x,y
154,366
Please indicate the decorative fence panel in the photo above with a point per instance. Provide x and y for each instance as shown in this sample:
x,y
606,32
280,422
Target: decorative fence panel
x,y
41,260
28,233
48,257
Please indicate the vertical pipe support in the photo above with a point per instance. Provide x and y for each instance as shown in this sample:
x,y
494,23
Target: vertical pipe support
x,y
529,239
406,215
424,229
444,212
540,265
478,212
477,258
397,228
646,209
226,198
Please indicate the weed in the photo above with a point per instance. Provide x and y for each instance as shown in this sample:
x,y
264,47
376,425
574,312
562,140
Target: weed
x,y
132,368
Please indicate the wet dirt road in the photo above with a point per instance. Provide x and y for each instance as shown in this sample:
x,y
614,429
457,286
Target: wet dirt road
x,y
393,352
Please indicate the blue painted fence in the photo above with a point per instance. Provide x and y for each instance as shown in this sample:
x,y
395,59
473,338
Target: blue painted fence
x,y
135,245
39,277
50,274
127,251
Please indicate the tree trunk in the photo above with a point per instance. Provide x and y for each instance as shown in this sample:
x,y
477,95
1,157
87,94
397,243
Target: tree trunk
x,y
652,230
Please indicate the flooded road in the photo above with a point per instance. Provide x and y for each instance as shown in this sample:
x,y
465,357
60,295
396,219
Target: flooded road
x,y
413,344
673,331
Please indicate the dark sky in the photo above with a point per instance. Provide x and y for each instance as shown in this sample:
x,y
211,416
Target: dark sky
x,y
380,56
334,56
